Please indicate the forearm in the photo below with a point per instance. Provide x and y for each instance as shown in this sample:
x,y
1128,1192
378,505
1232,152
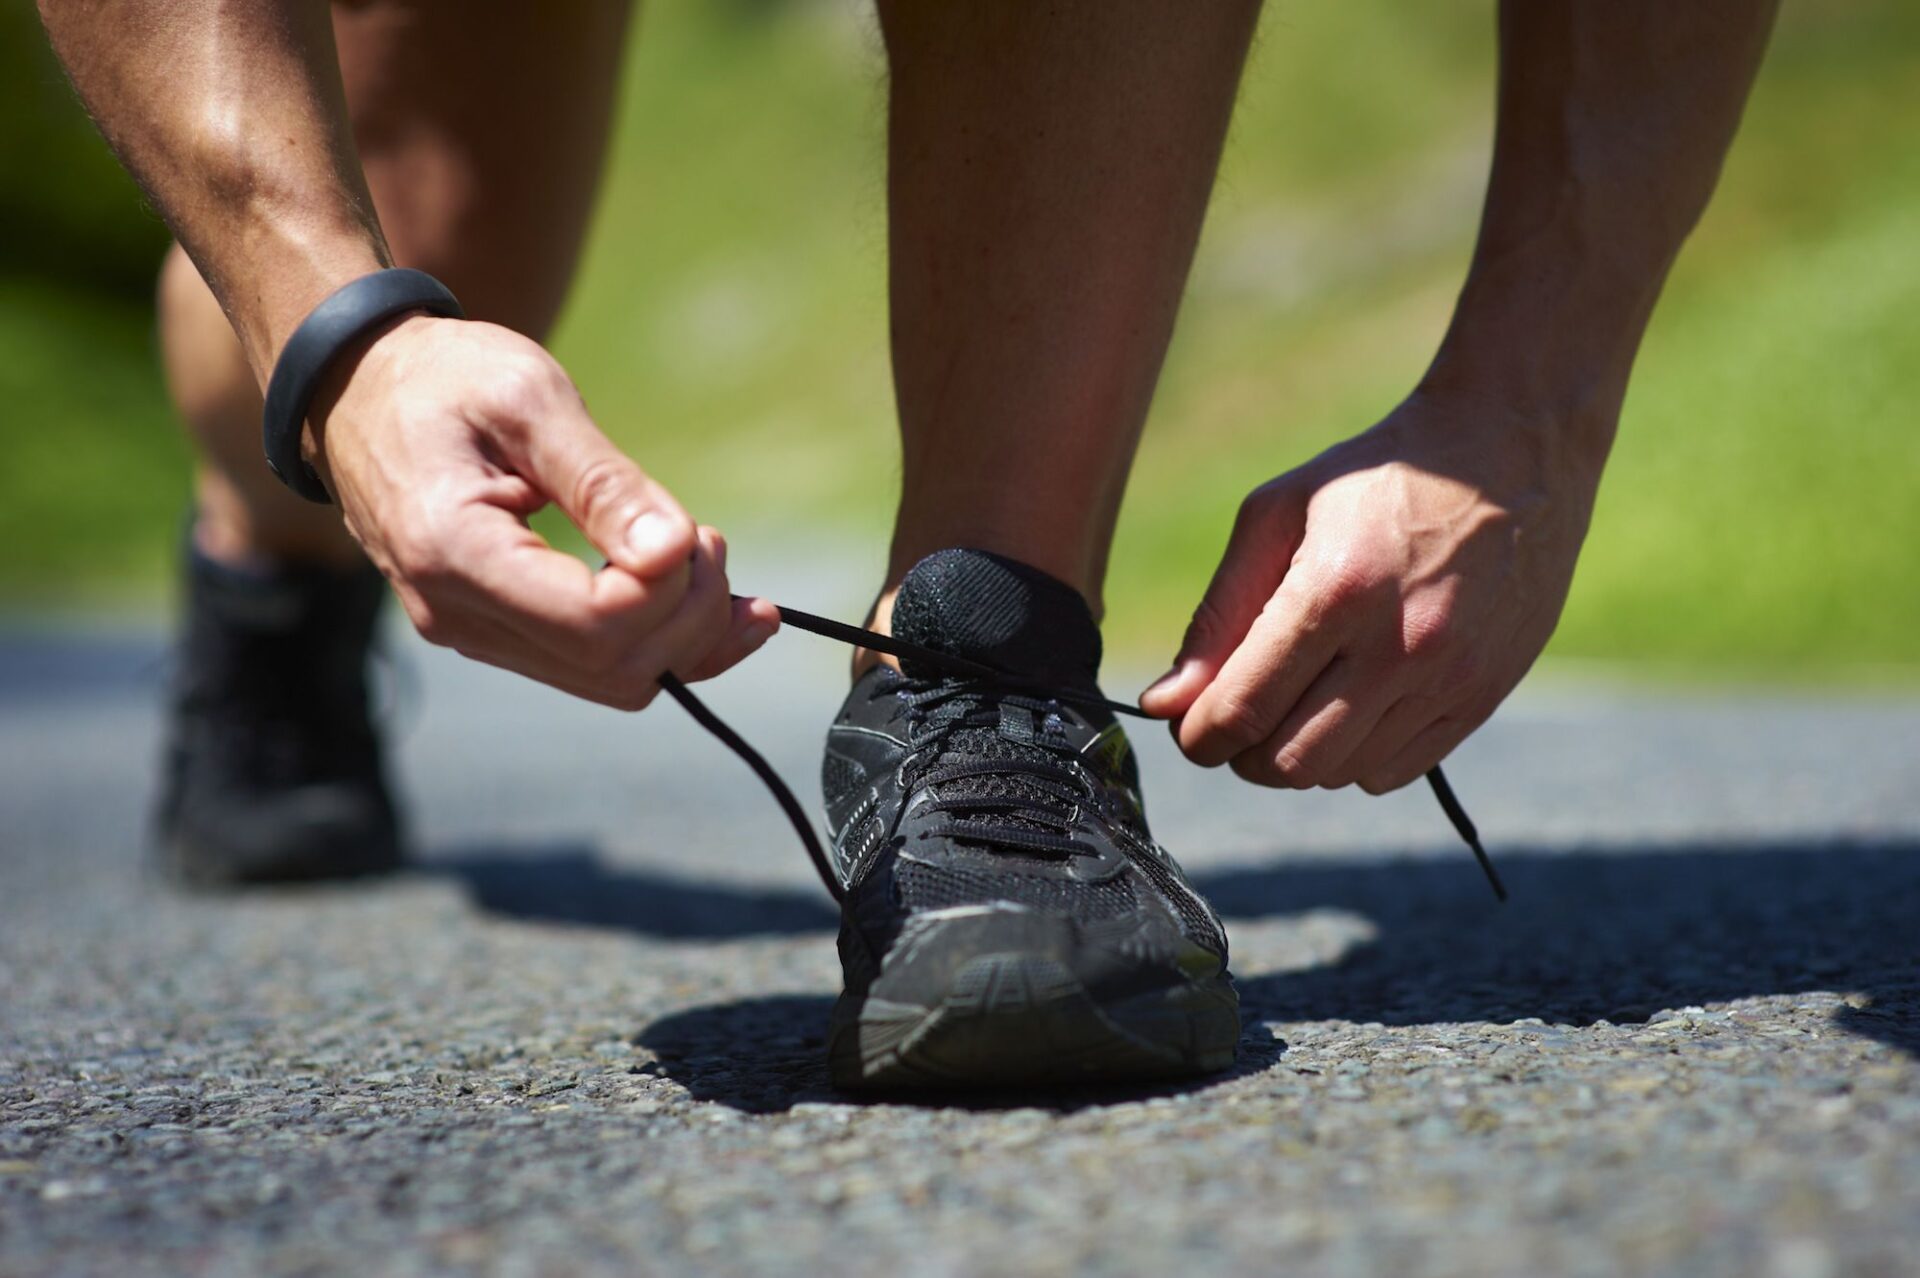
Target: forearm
x,y
1613,121
232,117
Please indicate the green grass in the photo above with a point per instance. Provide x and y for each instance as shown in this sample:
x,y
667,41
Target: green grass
x,y
729,327
92,475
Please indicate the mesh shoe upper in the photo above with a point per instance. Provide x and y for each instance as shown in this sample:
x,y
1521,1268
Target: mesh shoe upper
x,y
947,793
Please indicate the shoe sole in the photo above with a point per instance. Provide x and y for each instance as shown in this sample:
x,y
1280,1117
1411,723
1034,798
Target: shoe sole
x,y
186,866
1023,1019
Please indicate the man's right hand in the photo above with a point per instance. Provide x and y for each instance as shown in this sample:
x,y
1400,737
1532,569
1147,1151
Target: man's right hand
x,y
437,437
442,437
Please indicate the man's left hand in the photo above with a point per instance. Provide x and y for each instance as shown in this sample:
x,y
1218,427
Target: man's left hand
x,y
1375,605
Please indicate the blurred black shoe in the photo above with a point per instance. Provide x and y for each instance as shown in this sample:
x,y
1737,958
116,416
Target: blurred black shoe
x,y
1007,917
273,769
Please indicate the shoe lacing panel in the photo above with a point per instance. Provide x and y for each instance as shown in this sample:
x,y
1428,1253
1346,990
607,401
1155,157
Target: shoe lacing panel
x,y
992,792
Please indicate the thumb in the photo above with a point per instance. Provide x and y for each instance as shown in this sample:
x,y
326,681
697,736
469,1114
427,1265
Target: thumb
x,y
1266,533
628,516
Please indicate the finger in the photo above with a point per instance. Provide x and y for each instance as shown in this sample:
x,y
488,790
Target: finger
x,y
493,643
749,627
746,628
752,620
631,519
1404,720
695,629
1427,748
1266,533
759,609
1286,649
614,664
1333,718
560,606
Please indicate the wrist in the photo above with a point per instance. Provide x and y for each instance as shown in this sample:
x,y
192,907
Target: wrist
x,y
299,275
321,355
1541,350
1514,450
344,371
1551,425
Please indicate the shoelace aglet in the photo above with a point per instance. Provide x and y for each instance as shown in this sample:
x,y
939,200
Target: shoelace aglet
x,y
1443,791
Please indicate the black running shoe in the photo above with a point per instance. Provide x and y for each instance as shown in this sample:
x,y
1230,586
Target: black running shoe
x,y
273,768
1008,918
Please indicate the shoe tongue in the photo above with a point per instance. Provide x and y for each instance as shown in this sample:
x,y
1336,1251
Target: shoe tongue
x,y
999,612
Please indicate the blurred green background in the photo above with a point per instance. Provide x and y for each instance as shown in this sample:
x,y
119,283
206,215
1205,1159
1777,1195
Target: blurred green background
x,y
1761,517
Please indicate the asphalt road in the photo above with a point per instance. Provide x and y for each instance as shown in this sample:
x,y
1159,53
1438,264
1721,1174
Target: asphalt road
x,y
585,1035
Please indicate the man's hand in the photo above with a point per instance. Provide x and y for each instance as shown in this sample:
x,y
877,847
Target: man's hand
x,y
1375,605
437,437
440,440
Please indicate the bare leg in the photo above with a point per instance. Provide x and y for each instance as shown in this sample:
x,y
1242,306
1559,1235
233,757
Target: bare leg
x,y
1048,170
482,135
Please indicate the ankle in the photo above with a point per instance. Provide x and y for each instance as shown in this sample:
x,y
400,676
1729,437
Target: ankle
x,y
879,618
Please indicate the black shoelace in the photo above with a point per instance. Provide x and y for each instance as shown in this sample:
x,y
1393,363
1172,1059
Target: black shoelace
x,y
1023,800
1012,685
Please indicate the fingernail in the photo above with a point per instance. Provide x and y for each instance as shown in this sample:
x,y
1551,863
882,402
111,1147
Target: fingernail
x,y
1163,682
652,535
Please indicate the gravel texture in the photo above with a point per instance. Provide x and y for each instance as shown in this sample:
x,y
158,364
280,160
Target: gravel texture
x,y
585,1035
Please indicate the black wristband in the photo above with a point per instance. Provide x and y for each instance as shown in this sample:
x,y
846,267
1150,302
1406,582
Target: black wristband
x,y
346,314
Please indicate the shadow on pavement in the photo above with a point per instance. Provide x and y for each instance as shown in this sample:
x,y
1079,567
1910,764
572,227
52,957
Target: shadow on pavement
x,y
569,883
1590,935
765,1055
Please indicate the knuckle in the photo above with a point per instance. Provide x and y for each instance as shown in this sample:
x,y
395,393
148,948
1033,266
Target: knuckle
x,y
1295,767
1268,499
1263,517
431,625
419,548
1237,720
1346,578
521,386
1207,626
1254,508
1427,633
603,484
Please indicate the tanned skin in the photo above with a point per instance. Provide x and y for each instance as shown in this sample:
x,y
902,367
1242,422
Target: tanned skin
x,y
1049,167
1375,605
438,437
